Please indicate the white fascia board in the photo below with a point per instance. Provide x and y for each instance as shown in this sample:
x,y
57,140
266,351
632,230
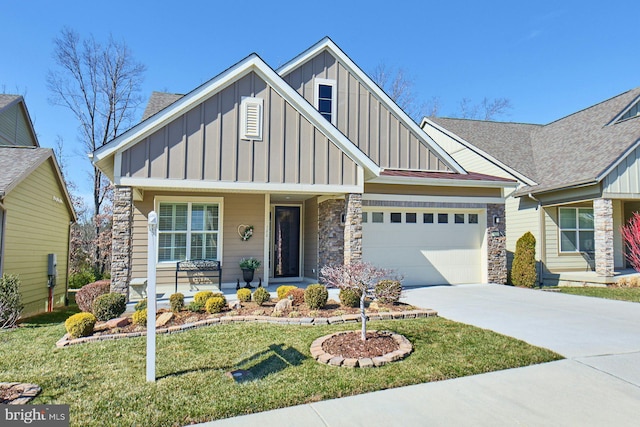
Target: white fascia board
x,y
517,175
226,186
434,199
352,67
441,182
619,160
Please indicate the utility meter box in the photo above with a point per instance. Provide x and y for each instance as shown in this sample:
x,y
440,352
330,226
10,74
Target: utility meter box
x,y
52,265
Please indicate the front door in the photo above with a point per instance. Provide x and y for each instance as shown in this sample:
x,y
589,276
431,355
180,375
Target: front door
x,y
286,241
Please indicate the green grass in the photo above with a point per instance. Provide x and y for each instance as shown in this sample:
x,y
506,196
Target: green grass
x,y
624,294
104,382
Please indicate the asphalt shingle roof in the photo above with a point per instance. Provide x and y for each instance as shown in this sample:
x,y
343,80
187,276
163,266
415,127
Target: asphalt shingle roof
x,y
17,162
575,149
7,99
159,101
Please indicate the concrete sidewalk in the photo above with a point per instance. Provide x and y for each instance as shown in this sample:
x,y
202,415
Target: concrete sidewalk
x,y
599,383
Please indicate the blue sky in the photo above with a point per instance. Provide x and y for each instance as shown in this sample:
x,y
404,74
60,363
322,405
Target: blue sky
x,y
550,58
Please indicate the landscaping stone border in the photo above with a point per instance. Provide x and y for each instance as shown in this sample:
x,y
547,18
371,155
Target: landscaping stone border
x,y
66,340
318,353
28,393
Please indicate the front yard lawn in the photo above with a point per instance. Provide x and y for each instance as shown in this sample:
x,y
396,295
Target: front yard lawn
x,y
104,382
624,294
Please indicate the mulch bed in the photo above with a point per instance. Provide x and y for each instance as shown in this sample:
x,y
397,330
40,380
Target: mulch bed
x,y
350,345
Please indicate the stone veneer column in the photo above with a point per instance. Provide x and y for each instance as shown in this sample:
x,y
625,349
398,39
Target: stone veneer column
x,y
496,245
121,240
330,233
353,228
603,224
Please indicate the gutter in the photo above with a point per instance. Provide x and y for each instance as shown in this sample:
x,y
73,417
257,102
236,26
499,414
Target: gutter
x,y
578,184
543,242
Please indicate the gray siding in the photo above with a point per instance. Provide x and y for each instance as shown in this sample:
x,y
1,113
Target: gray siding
x,y
15,128
364,119
204,144
624,179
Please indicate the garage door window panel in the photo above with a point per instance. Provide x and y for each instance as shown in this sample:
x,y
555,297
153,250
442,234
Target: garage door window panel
x,y
443,218
396,217
427,218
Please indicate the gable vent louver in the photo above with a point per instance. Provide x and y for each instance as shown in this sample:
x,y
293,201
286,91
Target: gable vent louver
x,y
251,111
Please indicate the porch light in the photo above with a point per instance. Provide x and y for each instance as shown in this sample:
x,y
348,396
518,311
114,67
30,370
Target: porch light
x,y
496,219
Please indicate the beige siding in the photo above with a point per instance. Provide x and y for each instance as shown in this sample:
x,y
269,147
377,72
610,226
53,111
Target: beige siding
x,y
15,128
624,179
204,144
37,225
238,209
364,118
310,233
556,261
522,215
421,190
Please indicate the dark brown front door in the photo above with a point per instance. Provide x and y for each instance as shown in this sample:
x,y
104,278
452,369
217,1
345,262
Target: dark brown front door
x,y
286,238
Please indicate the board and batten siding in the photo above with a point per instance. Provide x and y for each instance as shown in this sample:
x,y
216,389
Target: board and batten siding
x,y
37,224
364,119
624,179
15,128
556,261
310,233
237,209
204,144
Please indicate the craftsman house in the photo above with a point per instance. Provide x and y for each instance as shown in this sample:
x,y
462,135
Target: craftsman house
x,y
35,211
578,182
313,157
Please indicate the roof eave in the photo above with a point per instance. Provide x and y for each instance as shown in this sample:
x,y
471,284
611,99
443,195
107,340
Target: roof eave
x,y
442,182
524,191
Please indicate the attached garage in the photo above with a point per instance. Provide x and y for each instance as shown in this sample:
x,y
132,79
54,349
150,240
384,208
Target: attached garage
x,y
427,246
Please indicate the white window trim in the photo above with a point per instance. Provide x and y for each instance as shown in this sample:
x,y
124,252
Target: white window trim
x,y
316,96
192,200
577,229
246,102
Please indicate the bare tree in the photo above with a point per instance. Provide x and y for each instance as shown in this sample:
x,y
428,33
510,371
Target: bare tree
x,y
100,85
487,109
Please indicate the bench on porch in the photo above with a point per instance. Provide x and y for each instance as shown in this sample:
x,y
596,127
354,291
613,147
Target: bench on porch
x,y
204,266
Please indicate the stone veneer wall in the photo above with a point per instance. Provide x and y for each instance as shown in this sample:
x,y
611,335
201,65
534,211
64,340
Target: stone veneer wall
x,y
330,233
121,240
496,245
353,228
603,224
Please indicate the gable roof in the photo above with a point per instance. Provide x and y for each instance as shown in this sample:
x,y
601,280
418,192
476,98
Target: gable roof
x,y
326,44
579,149
7,101
253,62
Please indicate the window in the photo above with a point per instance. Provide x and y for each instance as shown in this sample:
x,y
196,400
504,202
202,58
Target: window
x,y
634,111
443,218
396,217
188,231
427,218
377,217
576,230
410,218
458,218
326,98
365,217
251,118
473,218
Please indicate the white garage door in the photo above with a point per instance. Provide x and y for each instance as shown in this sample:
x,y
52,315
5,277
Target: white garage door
x,y
426,246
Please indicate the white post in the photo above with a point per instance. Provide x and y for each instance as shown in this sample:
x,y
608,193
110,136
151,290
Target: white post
x,y
151,297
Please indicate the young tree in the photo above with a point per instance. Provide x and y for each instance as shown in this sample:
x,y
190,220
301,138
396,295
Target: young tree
x,y
631,235
100,84
359,276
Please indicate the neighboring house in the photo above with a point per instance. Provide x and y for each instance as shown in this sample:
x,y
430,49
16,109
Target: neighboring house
x,y
35,210
579,181
319,160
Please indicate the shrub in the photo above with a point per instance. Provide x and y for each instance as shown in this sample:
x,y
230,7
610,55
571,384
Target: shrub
x,y
215,304
139,317
140,305
81,278
195,307
388,291
244,295
350,297
523,270
282,291
10,301
80,325
202,297
88,293
176,302
316,296
261,295
296,295
109,306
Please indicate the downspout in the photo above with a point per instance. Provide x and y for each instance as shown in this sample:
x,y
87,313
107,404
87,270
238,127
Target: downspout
x,y
543,252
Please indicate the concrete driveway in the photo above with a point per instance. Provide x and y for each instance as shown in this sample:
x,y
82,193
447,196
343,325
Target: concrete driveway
x,y
597,385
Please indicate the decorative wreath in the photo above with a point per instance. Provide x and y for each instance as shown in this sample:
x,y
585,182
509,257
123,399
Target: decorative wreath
x,y
245,232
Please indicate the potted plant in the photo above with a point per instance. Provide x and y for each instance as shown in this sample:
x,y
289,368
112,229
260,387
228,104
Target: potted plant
x,y
248,267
